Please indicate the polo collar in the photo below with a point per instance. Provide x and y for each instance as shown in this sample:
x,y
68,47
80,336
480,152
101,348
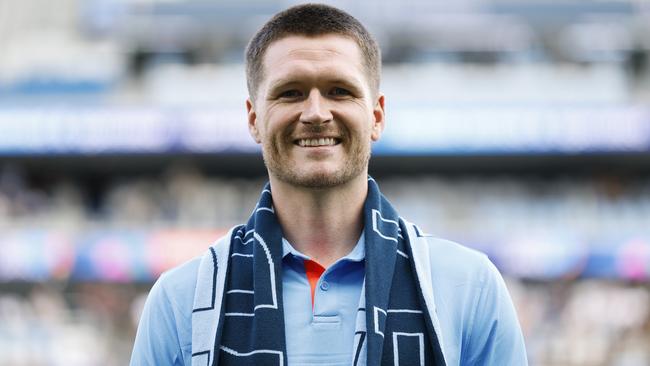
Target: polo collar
x,y
357,254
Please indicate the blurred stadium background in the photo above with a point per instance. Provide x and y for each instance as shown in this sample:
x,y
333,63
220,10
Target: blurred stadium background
x,y
518,127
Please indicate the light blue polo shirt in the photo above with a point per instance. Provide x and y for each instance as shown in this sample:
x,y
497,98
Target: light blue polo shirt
x,y
478,322
324,335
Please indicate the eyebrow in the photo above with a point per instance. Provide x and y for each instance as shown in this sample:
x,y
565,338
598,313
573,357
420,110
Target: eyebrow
x,y
282,83
289,80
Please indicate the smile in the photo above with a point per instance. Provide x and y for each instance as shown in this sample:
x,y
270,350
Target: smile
x,y
325,141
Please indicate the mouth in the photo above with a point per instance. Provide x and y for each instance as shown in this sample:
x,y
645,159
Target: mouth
x,y
317,142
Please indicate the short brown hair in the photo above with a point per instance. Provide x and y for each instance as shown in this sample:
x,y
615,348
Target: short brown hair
x,y
311,20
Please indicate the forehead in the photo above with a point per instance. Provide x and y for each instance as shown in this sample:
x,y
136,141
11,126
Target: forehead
x,y
296,54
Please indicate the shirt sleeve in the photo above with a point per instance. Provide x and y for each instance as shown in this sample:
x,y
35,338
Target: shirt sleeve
x,y
495,336
157,342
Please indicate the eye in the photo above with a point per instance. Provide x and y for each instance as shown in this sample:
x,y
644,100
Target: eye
x,y
290,94
340,92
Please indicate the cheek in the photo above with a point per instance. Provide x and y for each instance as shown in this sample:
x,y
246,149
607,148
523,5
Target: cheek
x,y
279,118
276,132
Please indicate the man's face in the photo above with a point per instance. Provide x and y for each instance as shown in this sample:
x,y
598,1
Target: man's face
x,y
314,112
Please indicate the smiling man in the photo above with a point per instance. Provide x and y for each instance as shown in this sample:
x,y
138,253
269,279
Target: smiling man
x,y
325,271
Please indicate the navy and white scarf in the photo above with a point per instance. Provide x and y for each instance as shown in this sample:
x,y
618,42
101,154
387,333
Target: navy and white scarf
x,y
238,314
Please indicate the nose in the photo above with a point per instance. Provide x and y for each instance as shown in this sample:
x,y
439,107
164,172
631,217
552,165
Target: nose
x,y
315,109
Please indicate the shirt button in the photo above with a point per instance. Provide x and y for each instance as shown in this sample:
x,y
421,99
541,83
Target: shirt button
x,y
324,285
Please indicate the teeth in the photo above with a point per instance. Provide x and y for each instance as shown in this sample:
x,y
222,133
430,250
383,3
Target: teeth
x,y
329,141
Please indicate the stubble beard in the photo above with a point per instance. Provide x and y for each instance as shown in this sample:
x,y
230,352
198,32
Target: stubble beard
x,y
276,157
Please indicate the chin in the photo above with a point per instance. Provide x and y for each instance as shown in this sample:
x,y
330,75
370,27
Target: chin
x,y
317,180
317,175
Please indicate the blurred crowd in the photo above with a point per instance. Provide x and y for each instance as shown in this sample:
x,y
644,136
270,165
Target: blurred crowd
x,y
77,324
584,322
474,205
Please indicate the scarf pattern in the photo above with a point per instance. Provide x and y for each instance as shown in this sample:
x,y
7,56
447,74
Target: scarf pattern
x,y
245,325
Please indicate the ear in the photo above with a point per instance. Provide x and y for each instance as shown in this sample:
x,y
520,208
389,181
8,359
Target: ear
x,y
252,121
379,118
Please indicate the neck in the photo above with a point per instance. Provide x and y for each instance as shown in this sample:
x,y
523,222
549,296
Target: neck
x,y
324,224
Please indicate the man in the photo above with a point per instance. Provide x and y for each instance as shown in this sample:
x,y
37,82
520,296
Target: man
x,y
325,272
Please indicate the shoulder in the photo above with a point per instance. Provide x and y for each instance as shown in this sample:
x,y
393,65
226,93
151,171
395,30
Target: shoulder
x,y
454,262
180,279
454,267
173,293
478,319
180,282
459,274
455,273
164,332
